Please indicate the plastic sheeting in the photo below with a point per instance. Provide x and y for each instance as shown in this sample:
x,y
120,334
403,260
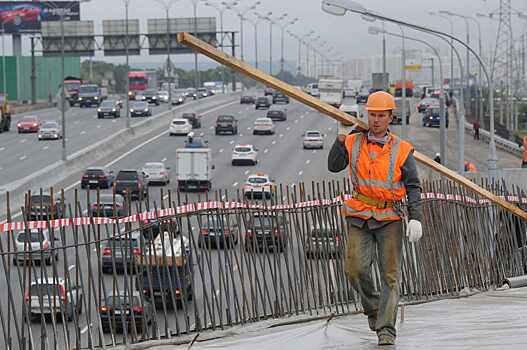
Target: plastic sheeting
x,y
492,320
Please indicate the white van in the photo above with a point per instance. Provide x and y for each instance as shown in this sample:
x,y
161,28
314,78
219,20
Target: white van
x,y
353,110
312,89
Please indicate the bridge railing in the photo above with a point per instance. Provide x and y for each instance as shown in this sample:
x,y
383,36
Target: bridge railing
x,y
173,266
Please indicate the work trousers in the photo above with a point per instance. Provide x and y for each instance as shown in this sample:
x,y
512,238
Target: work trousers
x,y
362,244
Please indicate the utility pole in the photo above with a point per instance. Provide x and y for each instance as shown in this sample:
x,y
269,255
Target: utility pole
x,y
33,73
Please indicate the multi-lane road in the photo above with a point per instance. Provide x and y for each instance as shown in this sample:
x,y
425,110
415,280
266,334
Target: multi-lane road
x,y
281,155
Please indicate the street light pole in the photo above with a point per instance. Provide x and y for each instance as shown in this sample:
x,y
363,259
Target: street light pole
x,y
451,85
284,26
196,71
127,103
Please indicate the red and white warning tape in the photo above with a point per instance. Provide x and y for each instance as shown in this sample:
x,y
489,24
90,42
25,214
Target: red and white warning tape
x,y
196,207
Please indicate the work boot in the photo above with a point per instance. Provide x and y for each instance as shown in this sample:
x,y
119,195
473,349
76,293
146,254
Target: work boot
x,y
372,321
386,339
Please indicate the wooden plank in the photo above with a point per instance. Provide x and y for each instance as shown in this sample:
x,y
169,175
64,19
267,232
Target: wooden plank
x,y
332,112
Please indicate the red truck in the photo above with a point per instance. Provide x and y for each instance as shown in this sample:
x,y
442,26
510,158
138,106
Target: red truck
x,y
72,86
409,88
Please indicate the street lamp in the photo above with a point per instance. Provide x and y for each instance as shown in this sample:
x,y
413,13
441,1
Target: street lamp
x,y
271,20
167,5
221,9
196,71
442,120
284,26
300,41
255,25
126,104
451,46
241,14
340,7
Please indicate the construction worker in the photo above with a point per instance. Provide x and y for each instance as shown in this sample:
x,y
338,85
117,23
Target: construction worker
x,y
524,159
437,158
470,167
476,127
383,172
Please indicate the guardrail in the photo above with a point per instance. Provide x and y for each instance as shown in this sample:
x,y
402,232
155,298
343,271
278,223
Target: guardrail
x,y
169,267
501,143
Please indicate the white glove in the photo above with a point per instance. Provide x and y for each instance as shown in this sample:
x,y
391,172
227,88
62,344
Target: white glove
x,y
414,230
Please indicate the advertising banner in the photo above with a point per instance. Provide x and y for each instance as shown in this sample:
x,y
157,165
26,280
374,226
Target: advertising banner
x,y
17,17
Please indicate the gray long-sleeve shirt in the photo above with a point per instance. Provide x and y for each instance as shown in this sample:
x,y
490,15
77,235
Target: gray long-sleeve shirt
x,y
338,160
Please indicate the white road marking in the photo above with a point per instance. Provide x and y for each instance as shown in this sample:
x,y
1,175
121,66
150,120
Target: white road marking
x,y
266,150
246,172
302,116
85,329
221,150
314,151
99,126
249,128
23,141
241,135
235,267
71,267
300,173
201,134
217,291
235,184
212,127
164,160
330,128
288,128
76,122
2,148
22,158
296,121
45,148
308,161
83,132
231,142
281,135
114,121
240,112
127,153
274,142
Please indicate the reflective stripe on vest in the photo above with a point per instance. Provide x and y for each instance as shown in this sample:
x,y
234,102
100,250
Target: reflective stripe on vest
x,y
377,215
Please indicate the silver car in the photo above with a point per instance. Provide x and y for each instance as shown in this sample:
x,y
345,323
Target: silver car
x,y
35,245
50,130
52,295
263,126
156,172
313,139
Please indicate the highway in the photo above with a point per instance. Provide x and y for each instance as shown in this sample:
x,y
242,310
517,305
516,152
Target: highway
x,y
280,155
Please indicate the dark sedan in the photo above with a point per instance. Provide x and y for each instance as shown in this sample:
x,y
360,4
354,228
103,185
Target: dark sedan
x,y
140,109
280,97
108,206
217,232
119,252
432,117
247,99
122,309
277,114
193,118
262,102
97,178
109,108
151,97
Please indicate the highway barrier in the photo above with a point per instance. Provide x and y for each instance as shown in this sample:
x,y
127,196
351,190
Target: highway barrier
x,y
175,264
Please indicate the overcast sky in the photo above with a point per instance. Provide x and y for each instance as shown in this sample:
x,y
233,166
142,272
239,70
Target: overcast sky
x,y
348,34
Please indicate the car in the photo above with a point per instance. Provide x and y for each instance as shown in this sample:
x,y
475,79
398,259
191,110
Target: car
x,y
191,92
50,130
97,177
217,231
140,109
262,102
266,231
397,112
247,99
119,251
258,186
42,207
108,206
151,97
109,108
193,118
362,96
28,124
313,139
156,172
178,99
263,126
280,97
432,117
18,14
120,309
202,92
277,114
244,154
54,295
36,245
150,228
324,241
131,182
196,142
226,124
353,110
162,96
140,96
180,126
268,91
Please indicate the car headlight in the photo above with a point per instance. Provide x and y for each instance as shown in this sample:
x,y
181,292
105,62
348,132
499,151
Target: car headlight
x,y
96,97
146,109
80,98
129,93
132,110
180,100
154,98
99,110
431,118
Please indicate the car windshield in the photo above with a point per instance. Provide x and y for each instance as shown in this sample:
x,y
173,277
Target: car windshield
x,y
322,232
43,289
108,199
225,118
117,243
29,120
154,166
122,300
94,171
263,99
188,115
90,89
163,93
257,180
263,121
49,125
32,236
202,90
107,104
179,122
150,93
36,200
265,221
313,134
127,175
435,111
139,105
243,149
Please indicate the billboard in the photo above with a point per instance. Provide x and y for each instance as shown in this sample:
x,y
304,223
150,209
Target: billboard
x,y
18,17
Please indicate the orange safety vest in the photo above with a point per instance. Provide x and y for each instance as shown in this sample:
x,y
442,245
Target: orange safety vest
x,y
375,172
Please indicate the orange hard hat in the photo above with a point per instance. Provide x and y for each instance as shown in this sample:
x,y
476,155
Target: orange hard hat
x,y
380,101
